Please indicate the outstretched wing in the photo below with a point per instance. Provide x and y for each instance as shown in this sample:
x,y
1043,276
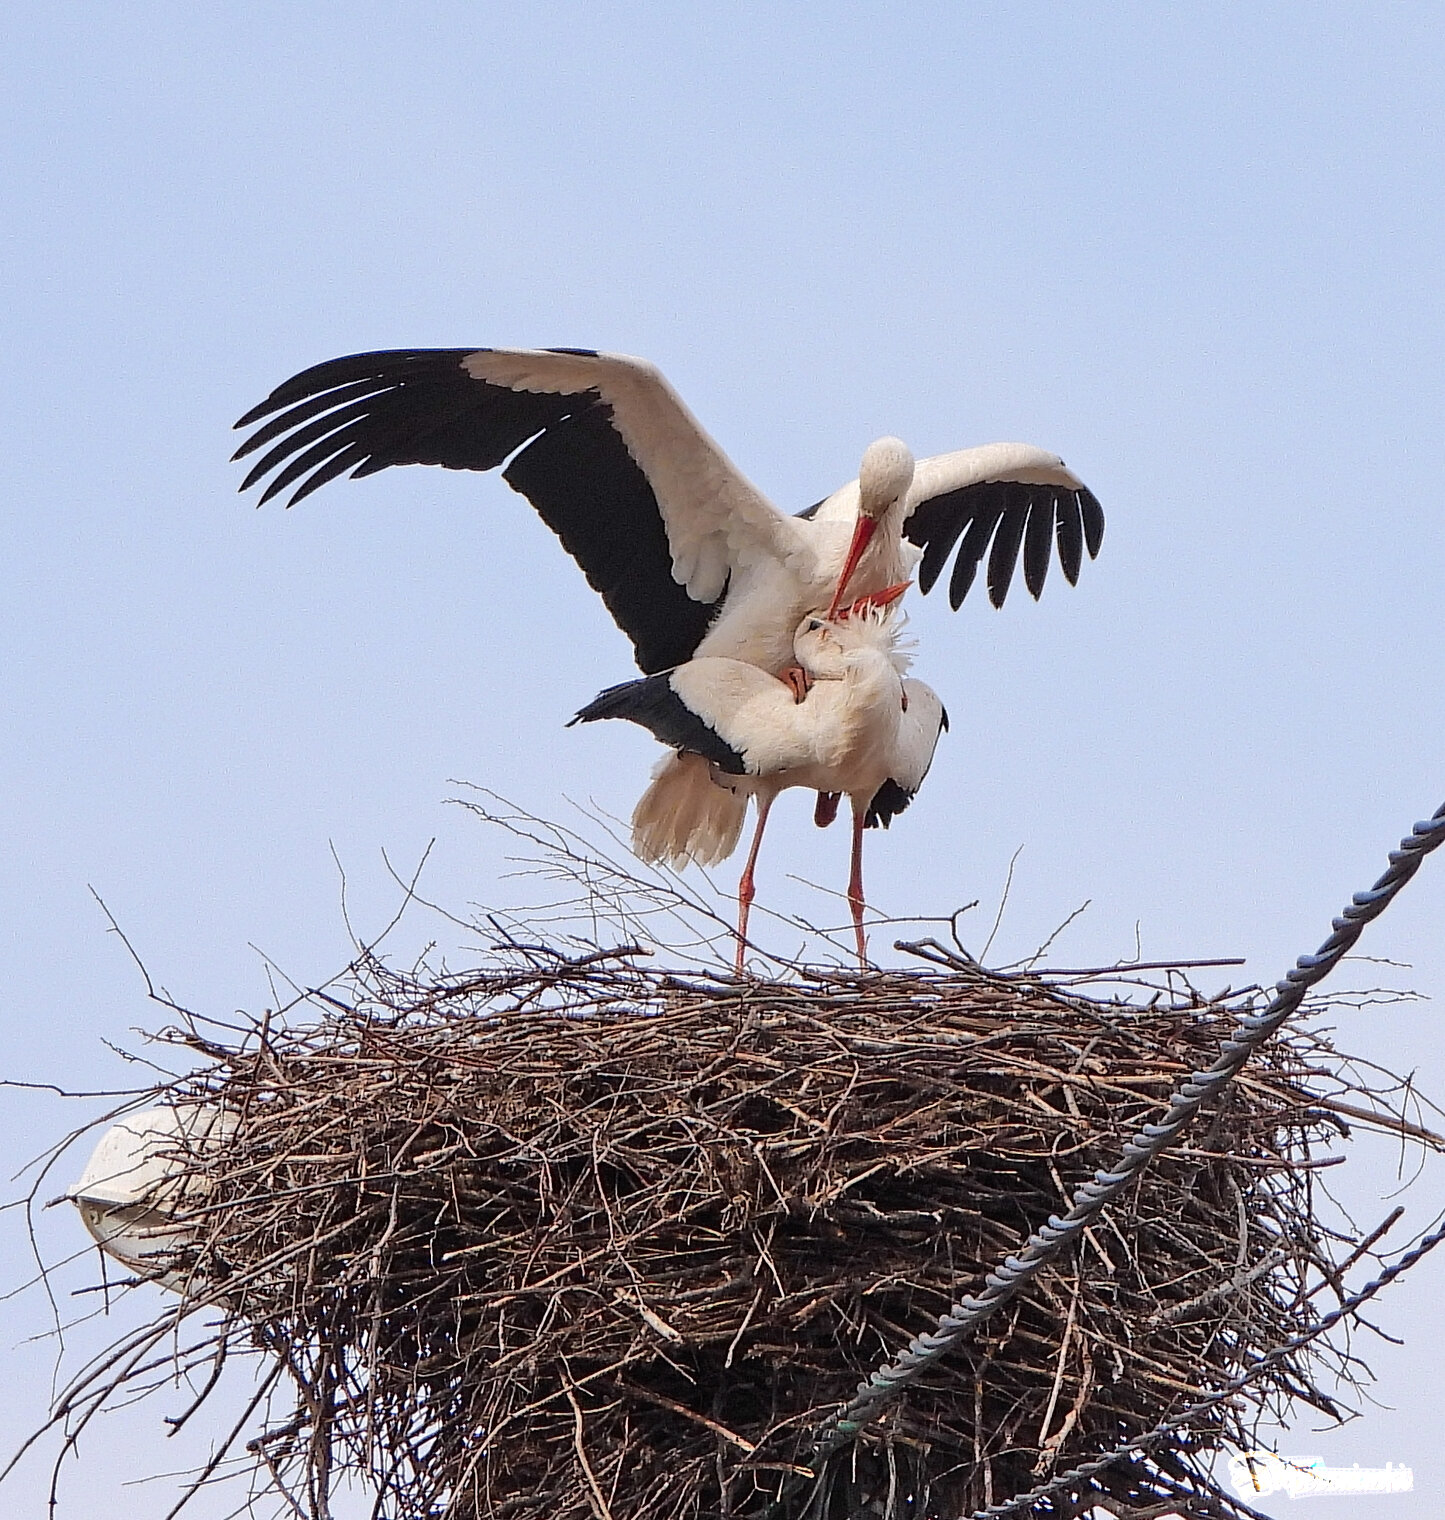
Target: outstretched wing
x,y
997,500
641,497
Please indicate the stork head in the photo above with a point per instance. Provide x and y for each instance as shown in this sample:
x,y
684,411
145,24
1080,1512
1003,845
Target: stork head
x,y
883,477
883,480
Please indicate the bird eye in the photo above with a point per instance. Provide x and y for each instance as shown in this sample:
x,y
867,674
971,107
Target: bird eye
x,y
814,625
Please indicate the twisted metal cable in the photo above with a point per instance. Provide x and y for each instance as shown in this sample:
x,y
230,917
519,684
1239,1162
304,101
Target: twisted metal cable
x,y
1016,1273
1140,1443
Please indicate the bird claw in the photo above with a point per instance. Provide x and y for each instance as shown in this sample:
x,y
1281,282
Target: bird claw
x,y
797,680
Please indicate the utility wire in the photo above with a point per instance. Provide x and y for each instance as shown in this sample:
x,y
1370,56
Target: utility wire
x,y
1017,1272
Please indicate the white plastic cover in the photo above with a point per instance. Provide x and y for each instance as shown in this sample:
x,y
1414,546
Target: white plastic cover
x,y
136,1184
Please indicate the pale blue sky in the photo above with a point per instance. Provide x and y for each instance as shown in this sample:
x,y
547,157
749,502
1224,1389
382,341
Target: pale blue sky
x,y
1194,249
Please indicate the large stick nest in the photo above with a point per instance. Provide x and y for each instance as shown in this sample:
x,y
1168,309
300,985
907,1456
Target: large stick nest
x,y
576,1237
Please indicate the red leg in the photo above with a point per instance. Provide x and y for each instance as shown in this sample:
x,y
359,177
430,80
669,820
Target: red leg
x,y
746,891
825,810
797,680
855,886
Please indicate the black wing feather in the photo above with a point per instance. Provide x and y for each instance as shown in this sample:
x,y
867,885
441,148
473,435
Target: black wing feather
x,y
938,540
1005,552
387,367
338,465
970,552
1038,544
412,407
657,707
306,434
1008,515
326,459
367,412
294,416
1093,521
1071,536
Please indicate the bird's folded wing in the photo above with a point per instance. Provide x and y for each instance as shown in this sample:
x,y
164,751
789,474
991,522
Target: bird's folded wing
x,y
655,705
752,712
924,719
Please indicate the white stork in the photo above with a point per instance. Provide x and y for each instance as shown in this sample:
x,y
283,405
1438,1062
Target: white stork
x,y
689,557
862,729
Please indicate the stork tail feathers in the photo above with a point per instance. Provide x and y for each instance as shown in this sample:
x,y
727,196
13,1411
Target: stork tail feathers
x,y
685,816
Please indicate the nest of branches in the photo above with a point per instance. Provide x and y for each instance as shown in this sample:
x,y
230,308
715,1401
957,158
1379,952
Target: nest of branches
x,y
573,1236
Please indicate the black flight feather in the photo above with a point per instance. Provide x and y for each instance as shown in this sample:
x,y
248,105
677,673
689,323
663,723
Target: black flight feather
x,y
999,517
1005,552
657,707
1071,536
970,552
1038,543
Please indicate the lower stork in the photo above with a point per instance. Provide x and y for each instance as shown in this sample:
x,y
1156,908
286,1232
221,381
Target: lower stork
x,y
863,729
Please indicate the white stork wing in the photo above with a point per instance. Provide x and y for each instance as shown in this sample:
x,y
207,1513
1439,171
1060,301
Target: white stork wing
x,y
998,498
605,450
924,719
1012,494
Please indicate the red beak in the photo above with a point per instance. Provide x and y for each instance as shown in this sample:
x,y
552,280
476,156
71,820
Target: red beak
x,y
862,537
884,598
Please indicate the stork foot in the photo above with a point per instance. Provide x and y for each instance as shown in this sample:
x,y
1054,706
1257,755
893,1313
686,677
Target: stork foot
x,y
797,680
